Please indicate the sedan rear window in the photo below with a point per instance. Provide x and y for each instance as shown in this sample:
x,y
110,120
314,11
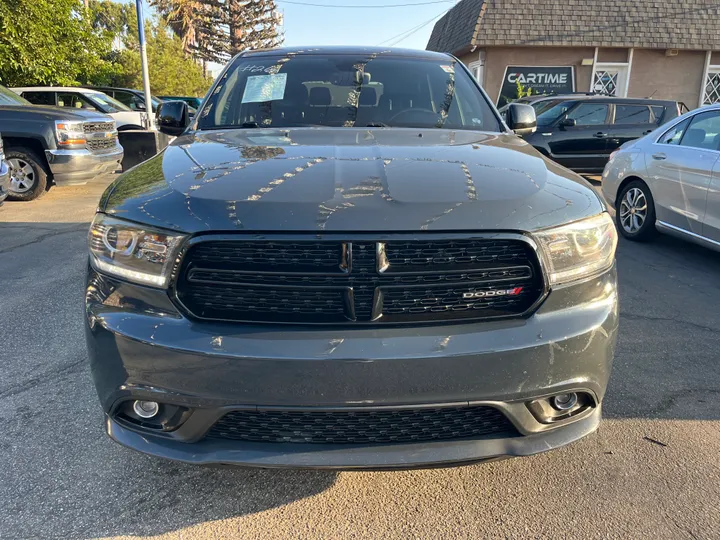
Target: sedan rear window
x,y
347,91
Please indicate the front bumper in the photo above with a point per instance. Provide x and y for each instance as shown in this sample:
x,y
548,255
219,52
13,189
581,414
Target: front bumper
x,y
70,167
142,347
344,457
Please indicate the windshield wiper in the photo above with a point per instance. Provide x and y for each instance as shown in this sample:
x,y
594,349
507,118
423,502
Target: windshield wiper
x,y
376,124
249,125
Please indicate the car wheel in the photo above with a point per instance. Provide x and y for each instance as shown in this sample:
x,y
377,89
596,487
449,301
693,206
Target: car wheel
x,y
636,212
28,175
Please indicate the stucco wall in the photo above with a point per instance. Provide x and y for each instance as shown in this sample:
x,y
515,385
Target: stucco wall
x,y
498,58
612,55
667,77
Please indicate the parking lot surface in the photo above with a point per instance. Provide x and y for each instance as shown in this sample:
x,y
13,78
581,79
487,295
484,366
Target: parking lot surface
x,y
652,469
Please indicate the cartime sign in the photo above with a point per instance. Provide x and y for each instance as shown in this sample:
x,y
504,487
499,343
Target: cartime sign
x,y
541,79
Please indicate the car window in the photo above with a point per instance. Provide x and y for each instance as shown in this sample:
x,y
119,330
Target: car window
x,y
658,112
347,90
589,114
40,98
130,100
543,105
632,114
74,101
553,110
110,105
703,131
674,134
8,97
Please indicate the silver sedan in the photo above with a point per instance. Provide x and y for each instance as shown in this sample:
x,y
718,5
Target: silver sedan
x,y
669,180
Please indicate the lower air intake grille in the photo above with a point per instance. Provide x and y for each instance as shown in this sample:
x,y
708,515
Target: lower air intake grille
x,y
363,427
345,281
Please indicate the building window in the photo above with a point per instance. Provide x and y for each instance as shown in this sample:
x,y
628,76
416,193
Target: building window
x,y
606,82
477,68
611,78
712,86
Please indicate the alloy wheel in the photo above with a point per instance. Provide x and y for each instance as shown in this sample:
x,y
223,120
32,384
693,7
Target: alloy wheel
x,y
633,210
22,175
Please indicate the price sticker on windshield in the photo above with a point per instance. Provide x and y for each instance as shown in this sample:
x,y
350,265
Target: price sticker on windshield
x,y
261,88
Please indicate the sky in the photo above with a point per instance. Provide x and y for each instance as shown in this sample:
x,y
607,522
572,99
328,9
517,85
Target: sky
x,y
399,23
333,22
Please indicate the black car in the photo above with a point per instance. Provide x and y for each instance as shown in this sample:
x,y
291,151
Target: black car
x,y
580,132
347,260
135,99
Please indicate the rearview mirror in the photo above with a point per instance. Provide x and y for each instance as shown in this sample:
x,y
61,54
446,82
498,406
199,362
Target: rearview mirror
x,y
568,122
173,117
521,118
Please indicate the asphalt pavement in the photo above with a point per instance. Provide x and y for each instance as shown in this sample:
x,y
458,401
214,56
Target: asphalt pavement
x,y
652,469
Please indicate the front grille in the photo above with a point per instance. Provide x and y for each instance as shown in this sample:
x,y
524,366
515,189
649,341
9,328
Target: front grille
x,y
355,282
363,427
101,144
98,127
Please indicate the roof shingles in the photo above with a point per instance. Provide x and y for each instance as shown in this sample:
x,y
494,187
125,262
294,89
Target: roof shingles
x,y
676,24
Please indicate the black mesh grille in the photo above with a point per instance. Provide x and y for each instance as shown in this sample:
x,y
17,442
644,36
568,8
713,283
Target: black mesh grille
x,y
363,427
306,257
452,255
332,281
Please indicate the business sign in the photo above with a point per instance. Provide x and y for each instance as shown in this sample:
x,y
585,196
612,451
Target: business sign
x,y
542,80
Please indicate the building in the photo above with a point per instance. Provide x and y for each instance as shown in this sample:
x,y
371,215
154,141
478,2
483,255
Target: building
x,y
667,49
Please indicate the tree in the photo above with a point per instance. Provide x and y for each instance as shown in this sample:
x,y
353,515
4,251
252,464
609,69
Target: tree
x,y
50,42
253,24
171,72
214,30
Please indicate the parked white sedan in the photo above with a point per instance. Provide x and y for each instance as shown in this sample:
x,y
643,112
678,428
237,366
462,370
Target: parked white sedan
x,y
669,180
84,98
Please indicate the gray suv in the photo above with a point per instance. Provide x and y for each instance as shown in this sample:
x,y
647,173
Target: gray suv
x,y
347,260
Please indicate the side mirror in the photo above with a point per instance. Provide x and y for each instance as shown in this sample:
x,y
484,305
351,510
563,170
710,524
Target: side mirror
x,y
568,122
521,118
172,117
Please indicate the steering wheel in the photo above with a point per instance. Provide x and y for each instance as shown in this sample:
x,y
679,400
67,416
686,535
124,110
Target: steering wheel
x,y
408,111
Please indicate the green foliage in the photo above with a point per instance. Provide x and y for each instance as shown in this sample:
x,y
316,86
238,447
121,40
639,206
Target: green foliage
x,y
522,91
50,42
58,42
171,72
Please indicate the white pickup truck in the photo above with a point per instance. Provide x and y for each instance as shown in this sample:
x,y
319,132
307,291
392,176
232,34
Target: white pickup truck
x,y
86,99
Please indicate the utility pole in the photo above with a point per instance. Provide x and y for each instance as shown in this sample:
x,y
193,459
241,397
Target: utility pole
x,y
143,59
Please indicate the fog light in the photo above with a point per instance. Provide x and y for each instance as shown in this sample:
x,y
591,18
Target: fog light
x,y
565,402
146,409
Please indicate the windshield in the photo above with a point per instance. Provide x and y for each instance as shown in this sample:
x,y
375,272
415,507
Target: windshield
x,y
347,91
8,97
552,110
106,103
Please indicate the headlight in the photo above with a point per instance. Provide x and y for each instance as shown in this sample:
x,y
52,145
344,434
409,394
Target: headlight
x,y
69,134
579,249
133,252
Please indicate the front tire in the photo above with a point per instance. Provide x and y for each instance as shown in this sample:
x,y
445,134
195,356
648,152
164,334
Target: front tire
x,y
28,174
635,214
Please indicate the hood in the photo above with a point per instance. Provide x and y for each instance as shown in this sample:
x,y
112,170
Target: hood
x,y
53,113
347,179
